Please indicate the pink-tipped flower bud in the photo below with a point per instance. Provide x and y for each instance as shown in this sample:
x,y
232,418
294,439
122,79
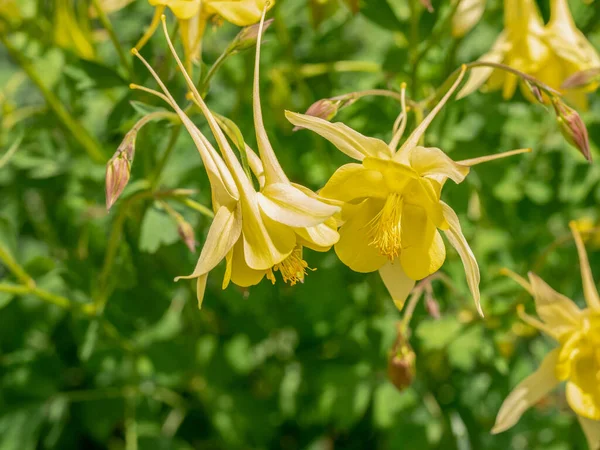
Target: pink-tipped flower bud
x,y
401,362
118,168
572,127
247,37
186,232
427,5
325,108
432,307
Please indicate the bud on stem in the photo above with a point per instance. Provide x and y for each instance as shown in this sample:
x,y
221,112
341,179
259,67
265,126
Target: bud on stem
x,y
572,127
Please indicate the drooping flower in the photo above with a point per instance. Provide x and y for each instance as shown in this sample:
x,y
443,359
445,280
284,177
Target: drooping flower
x,y
575,361
392,209
257,233
551,53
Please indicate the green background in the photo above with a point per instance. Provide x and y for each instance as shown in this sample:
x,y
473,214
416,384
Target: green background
x,y
276,367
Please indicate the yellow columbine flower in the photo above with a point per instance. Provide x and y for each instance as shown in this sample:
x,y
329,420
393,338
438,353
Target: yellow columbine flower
x,y
71,33
392,209
576,360
551,53
258,233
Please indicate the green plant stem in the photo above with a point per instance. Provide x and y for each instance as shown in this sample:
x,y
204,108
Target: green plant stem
x,y
81,135
196,206
15,268
106,23
46,296
213,69
313,70
414,45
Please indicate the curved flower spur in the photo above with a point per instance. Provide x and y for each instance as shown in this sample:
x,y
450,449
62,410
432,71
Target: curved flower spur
x,y
576,360
257,233
392,209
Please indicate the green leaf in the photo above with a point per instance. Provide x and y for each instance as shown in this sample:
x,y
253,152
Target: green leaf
x,y
158,229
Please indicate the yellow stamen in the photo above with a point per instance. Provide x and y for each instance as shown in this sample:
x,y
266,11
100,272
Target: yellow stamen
x,y
385,227
293,268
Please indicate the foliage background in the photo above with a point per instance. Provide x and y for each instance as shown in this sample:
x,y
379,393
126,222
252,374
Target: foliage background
x,y
275,367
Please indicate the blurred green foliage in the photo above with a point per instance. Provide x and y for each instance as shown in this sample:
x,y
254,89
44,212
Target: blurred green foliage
x,y
301,367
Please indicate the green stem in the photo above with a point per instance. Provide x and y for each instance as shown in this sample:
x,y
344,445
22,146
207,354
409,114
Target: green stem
x,y
85,139
213,69
46,296
414,45
313,70
15,268
113,37
196,206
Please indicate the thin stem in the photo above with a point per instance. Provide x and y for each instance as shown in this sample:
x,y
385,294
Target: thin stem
x,y
196,206
81,135
410,307
113,36
15,268
414,43
313,70
213,69
44,295
131,431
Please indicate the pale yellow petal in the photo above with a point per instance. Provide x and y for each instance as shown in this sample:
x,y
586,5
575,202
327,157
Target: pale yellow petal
x,y
182,9
589,286
348,141
239,12
556,310
286,204
397,282
266,242
354,247
591,430
584,399
487,158
241,274
353,182
433,161
201,288
222,235
467,15
319,238
457,240
527,393
395,174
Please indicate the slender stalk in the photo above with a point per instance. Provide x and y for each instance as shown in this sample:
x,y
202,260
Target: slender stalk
x,y
106,23
15,268
44,295
196,206
81,135
213,69
313,70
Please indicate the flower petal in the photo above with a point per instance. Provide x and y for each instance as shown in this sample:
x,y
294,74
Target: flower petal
x,y
348,141
240,13
354,247
286,204
423,251
319,238
222,235
457,240
591,429
589,287
266,242
554,309
241,274
397,282
353,182
433,161
527,393
201,288
584,398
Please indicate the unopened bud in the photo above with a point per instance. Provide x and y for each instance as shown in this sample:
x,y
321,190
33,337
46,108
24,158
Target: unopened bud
x,y
572,127
248,37
536,92
583,79
401,362
325,108
427,5
186,232
468,14
432,307
118,168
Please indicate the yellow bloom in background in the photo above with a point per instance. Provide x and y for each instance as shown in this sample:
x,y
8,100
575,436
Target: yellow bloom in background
x,y
70,32
258,233
468,14
575,361
551,53
391,204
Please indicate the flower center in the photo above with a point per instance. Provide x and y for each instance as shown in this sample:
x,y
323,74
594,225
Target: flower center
x,y
292,269
385,229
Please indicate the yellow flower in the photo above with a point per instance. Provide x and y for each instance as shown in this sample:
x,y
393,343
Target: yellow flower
x,y
576,360
239,12
551,53
258,233
392,209
71,33
467,15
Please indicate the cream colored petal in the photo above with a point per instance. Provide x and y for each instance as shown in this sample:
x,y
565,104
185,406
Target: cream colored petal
x,y
585,400
554,309
433,161
319,238
223,233
348,141
591,430
589,286
266,242
182,9
241,12
487,158
397,282
241,274
354,247
458,241
286,204
201,288
467,15
479,75
353,182
527,393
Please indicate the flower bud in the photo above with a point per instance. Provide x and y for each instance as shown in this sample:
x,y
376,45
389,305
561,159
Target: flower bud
x,y
186,232
325,108
432,307
118,168
427,5
583,79
247,37
572,127
468,14
536,92
401,362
